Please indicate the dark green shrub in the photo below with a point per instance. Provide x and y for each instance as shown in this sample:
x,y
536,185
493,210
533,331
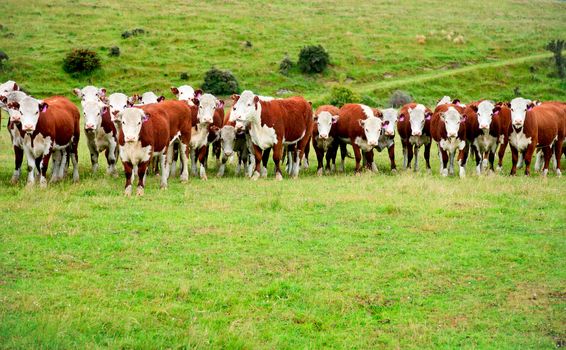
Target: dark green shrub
x,y
218,82
313,59
114,51
368,101
81,61
286,65
184,76
556,47
340,95
399,98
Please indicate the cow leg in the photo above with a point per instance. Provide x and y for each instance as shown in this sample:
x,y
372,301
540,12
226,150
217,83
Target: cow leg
x,y
202,156
19,158
264,161
500,155
222,166
443,162
183,153
514,160
289,165
43,171
427,156
174,156
416,154
369,156
320,160
142,173
166,158
57,160
463,156
93,155
64,162
111,157
74,154
193,162
491,160
305,156
521,161
358,157
128,172
257,155
392,159
547,152
405,145
477,158
409,155
558,150
277,154
527,157
31,167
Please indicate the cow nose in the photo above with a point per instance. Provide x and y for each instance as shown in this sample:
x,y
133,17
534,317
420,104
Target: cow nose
x,y
451,135
89,126
372,143
228,153
484,126
28,127
130,138
416,133
518,122
389,133
323,136
15,118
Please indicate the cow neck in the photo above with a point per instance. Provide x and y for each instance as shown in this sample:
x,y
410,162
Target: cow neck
x,y
255,121
107,124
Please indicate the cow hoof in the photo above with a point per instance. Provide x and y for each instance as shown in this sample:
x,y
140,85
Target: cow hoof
x,y
43,183
444,172
128,191
278,177
319,172
358,173
140,191
255,176
14,180
558,173
162,187
545,172
462,172
429,171
393,171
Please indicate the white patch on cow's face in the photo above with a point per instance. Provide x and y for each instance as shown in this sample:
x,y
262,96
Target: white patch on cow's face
x,y
246,109
206,108
15,96
452,119
372,129
93,111
132,119
8,86
90,93
417,118
117,103
324,123
485,114
29,109
186,93
148,98
444,100
389,121
227,138
519,107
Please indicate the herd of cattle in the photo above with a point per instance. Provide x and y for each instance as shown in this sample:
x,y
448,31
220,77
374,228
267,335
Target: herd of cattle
x,y
148,131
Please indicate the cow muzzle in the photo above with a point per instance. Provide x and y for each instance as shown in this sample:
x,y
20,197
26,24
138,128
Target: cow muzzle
x,y
389,133
28,128
417,133
228,153
130,138
323,136
89,127
372,143
452,136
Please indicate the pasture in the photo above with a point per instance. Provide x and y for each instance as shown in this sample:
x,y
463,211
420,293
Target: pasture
x,y
410,260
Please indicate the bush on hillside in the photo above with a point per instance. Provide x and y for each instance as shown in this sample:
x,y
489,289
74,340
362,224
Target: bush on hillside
x,y
313,59
399,98
340,95
286,65
81,61
218,82
114,51
556,47
3,57
368,101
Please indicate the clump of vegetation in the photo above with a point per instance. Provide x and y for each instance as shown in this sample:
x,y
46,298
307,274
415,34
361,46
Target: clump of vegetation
x,y
340,95
286,65
135,32
114,51
3,57
184,76
399,98
220,82
81,61
248,44
313,59
368,101
556,47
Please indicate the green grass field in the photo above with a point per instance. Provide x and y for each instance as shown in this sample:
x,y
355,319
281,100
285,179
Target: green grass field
x,y
376,261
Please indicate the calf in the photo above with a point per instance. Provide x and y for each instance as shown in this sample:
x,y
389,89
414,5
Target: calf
x,y
448,129
533,127
483,132
210,117
361,127
10,101
387,137
414,130
274,124
323,135
101,134
49,127
144,133
233,141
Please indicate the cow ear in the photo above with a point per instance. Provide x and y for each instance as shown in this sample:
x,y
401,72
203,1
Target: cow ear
x,y
474,108
256,100
3,99
220,104
456,102
530,106
145,117
335,119
196,101
235,98
102,92
361,122
160,98
78,92
214,128
428,115
175,91
402,117
496,110
463,118
16,87
315,117
43,106
198,94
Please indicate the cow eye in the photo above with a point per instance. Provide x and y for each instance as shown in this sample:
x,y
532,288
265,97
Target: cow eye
x,y
125,106
249,104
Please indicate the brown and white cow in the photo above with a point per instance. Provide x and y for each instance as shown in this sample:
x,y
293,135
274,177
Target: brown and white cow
x,y
360,126
144,133
387,137
185,93
234,141
414,130
90,93
273,124
484,132
535,127
146,98
49,127
323,135
116,103
15,128
101,134
448,129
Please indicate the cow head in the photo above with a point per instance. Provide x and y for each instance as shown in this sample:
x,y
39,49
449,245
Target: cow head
x,y
227,138
11,102
8,86
149,97
452,119
90,93
93,111
207,105
372,129
389,117
132,120
324,121
418,117
117,103
184,93
519,108
30,109
485,112
246,107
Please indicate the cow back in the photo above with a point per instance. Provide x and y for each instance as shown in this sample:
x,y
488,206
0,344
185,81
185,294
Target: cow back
x,y
290,117
155,130
61,120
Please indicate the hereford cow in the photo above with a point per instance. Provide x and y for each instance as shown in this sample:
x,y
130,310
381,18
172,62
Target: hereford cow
x,y
533,127
210,117
116,103
448,129
5,89
414,130
147,98
184,93
144,132
49,127
234,141
387,137
101,134
361,127
274,124
483,132
11,101
323,135
90,93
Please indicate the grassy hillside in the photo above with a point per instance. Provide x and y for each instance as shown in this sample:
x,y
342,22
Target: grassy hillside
x,y
377,261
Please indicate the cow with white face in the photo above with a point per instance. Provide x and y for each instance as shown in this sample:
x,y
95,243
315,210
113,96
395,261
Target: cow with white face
x,y
323,136
414,130
233,141
148,98
7,87
210,122
519,107
117,102
184,93
448,129
12,102
387,137
90,93
101,134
